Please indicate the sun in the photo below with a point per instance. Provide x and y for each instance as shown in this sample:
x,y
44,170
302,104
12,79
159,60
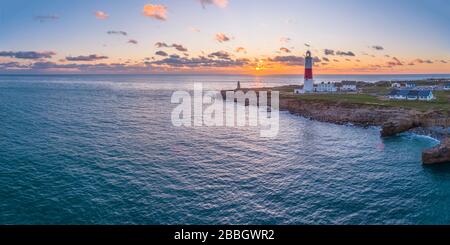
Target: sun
x,y
260,66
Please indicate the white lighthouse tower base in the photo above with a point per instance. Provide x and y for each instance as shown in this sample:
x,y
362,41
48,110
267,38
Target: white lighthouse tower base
x,y
308,87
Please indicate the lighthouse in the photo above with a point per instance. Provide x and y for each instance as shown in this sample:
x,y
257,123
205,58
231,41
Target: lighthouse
x,y
309,82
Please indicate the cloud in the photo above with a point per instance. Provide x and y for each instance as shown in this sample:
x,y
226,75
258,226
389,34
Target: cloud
x,y
161,53
101,15
240,49
194,29
88,68
420,61
325,59
286,50
45,18
132,41
328,51
12,66
158,12
342,53
377,47
117,33
289,60
307,45
443,61
221,37
220,55
395,62
161,45
92,57
51,67
31,55
218,3
178,47
199,62
285,39
339,53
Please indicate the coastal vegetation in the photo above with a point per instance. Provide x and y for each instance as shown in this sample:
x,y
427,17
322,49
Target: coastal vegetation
x,y
376,94
442,101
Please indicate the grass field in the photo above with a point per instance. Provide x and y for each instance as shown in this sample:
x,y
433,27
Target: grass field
x,y
441,103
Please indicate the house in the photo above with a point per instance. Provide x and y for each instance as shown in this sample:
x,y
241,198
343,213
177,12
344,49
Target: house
x,y
299,90
349,86
425,95
397,94
410,85
396,85
326,87
432,88
393,94
447,86
412,95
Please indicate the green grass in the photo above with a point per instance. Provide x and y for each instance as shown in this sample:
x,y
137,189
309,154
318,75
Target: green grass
x,y
441,103
376,90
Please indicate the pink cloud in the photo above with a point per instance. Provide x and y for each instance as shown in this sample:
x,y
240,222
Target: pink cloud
x,y
286,50
285,39
101,15
158,12
221,37
218,3
240,49
194,29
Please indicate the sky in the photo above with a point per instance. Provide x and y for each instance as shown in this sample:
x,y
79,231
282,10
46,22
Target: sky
x,y
259,37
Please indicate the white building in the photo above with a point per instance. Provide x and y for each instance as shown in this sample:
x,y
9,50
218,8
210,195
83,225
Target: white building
x,y
396,85
447,86
408,94
412,95
426,95
349,86
398,94
410,85
326,87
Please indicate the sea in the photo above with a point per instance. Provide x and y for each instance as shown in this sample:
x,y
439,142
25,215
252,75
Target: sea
x,y
101,149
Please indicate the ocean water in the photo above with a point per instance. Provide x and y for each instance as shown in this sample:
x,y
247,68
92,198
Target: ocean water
x,y
102,150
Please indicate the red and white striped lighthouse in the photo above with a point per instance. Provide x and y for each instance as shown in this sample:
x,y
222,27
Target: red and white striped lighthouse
x,y
308,66
308,86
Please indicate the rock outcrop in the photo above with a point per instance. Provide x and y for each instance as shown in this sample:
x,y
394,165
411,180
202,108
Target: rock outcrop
x,y
346,113
395,127
439,154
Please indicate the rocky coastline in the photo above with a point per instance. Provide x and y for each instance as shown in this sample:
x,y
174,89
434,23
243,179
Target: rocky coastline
x,y
391,120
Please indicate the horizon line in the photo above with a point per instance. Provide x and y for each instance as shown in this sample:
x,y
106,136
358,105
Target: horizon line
x,y
217,74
